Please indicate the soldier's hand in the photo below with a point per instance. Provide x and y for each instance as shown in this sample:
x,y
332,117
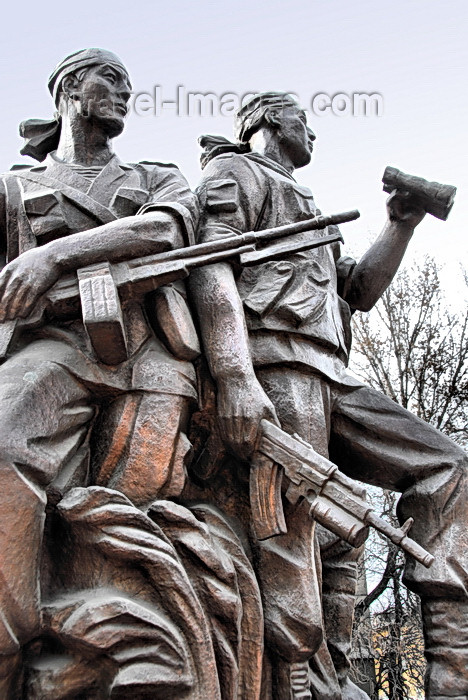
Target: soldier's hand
x,y
24,281
405,208
242,404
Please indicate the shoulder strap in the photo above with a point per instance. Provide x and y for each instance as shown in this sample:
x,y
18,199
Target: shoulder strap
x,y
19,234
261,214
81,199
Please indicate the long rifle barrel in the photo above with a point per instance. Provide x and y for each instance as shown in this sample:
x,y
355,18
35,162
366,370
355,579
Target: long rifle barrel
x,y
250,237
134,278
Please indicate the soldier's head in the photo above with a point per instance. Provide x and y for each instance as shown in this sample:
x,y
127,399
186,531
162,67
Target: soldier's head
x,y
275,124
93,85
91,88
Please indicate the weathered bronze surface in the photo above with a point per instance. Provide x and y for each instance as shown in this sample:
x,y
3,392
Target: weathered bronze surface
x,y
277,338
158,533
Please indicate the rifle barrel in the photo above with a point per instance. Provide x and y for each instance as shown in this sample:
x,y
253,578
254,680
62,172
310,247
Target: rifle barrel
x,y
399,537
317,223
250,237
63,299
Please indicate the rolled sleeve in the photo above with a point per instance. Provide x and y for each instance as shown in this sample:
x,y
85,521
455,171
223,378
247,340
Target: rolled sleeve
x,y
169,191
344,271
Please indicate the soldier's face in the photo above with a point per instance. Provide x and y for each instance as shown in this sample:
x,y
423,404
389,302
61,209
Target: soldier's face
x,y
297,139
103,95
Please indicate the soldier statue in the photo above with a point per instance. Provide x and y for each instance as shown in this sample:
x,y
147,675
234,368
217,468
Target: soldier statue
x,y
114,581
81,205
277,337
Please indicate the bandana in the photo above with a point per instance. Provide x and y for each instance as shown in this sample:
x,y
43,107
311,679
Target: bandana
x,y
248,119
82,59
250,116
42,135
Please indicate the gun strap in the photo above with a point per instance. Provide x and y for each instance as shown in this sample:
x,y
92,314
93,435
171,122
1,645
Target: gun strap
x,y
261,214
19,234
81,199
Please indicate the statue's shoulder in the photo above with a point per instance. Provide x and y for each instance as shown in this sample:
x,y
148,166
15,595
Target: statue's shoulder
x,y
156,173
155,164
236,160
9,180
234,165
155,167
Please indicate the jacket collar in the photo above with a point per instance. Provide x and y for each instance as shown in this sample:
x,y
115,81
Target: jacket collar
x,y
101,189
269,163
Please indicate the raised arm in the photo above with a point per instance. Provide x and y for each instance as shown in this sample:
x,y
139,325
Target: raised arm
x,y
377,268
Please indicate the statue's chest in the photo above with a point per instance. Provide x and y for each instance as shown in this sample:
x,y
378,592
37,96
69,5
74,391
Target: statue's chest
x,y
289,202
51,212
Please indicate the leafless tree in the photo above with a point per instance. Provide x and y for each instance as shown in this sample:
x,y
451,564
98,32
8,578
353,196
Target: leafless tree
x,y
387,628
414,348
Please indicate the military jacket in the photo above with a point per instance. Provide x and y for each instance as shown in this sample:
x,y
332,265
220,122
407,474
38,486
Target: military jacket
x,y
295,310
42,203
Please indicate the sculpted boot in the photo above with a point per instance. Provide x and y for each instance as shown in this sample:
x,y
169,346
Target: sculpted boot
x,y
446,640
339,584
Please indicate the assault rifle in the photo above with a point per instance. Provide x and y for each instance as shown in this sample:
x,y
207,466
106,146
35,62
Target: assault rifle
x,y
335,500
94,292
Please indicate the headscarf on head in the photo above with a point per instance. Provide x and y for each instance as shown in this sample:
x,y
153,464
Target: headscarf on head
x,y
247,121
252,113
42,135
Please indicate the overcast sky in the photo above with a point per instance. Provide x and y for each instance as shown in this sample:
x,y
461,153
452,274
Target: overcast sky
x,y
414,53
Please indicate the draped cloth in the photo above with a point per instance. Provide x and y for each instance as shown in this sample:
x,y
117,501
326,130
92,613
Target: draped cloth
x,y
252,113
167,599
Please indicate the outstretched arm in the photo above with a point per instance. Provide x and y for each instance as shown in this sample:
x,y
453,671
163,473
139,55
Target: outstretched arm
x,y
377,268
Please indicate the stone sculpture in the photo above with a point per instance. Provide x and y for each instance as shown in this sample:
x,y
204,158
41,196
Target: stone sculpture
x,y
102,596
129,569
286,361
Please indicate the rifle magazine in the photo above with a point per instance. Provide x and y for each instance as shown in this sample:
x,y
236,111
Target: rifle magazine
x,y
265,498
